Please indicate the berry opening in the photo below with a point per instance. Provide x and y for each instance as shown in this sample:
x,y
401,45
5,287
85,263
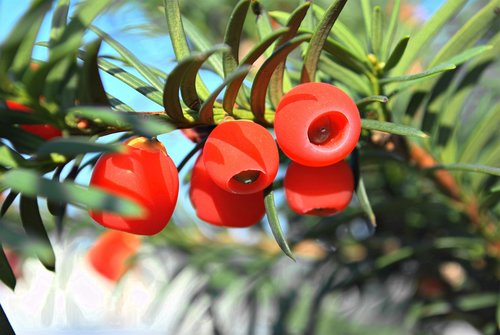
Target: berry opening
x,y
327,129
321,211
247,177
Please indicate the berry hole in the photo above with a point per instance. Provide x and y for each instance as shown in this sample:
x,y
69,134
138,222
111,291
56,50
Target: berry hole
x,y
327,129
322,211
247,177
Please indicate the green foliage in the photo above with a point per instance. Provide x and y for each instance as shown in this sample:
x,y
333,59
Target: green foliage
x,y
426,166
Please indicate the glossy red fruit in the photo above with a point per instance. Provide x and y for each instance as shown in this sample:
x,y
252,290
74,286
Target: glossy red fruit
x,y
241,157
318,191
317,124
219,207
110,255
45,131
144,174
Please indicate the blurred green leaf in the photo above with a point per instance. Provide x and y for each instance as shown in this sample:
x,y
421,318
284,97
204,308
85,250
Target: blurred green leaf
x,y
72,35
343,56
430,72
366,9
394,257
318,39
7,202
232,36
351,79
424,35
396,54
76,145
469,34
31,184
22,140
272,217
376,31
369,100
345,36
33,225
485,129
22,60
117,104
437,103
464,303
494,171
176,29
264,27
9,158
392,128
10,117
280,16
206,110
49,77
498,311
261,81
130,58
91,86
129,79
468,54
59,20
8,278
201,43
26,26
5,324
142,124
391,28
364,201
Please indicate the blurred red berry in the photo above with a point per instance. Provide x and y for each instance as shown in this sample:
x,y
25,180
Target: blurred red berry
x,y
241,157
317,124
144,174
45,131
219,207
111,253
318,191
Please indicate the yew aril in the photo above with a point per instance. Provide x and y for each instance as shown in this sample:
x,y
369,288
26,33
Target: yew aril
x,y
45,131
111,254
219,207
144,173
317,124
241,157
320,191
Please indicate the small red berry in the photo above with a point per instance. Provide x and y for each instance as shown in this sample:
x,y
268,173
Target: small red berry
x,y
144,174
241,157
317,124
318,191
110,255
45,131
219,207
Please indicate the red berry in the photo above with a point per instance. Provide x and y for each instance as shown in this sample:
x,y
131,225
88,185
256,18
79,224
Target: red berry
x,y
317,124
144,174
219,207
241,157
45,131
318,191
110,255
